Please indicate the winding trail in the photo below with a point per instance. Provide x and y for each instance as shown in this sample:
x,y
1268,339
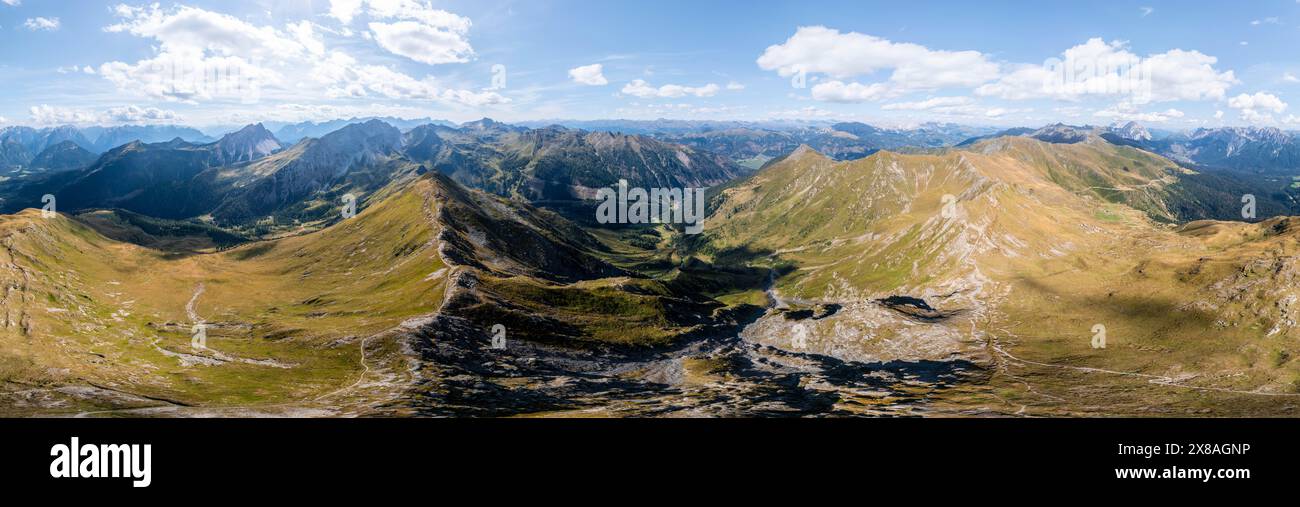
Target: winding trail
x,y
365,369
189,307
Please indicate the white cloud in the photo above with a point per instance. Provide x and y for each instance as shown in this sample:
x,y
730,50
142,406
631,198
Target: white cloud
x,y
1289,77
822,50
186,30
346,77
1127,113
640,88
998,112
952,106
1266,21
1218,115
928,104
1146,11
422,42
45,114
735,86
591,75
49,115
42,24
137,114
839,91
202,55
345,10
1257,108
11,3
1098,68
410,28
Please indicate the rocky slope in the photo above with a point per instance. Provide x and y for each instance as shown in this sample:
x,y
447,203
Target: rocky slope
x,y
961,255
331,322
560,164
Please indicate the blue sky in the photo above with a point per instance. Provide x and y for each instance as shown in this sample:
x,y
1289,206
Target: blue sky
x,y
204,63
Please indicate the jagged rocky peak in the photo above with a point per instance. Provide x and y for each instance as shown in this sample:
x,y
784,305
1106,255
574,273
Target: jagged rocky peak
x,y
247,144
1131,130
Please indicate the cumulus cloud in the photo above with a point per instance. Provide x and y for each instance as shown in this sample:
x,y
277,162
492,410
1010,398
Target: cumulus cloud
x,y
203,55
346,77
1099,68
50,115
1257,108
591,75
822,50
411,29
345,10
839,91
137,114
42,24
45,114
640,88
421,42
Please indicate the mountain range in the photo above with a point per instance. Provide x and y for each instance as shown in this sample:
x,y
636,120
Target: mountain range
x,y
1054,271
1255,150
246,176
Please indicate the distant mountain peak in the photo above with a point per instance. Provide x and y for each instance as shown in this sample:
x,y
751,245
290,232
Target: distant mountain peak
x,y
1131,130
245,145
63,156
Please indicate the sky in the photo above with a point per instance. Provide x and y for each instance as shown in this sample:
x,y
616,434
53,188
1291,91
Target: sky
x,y
1177,64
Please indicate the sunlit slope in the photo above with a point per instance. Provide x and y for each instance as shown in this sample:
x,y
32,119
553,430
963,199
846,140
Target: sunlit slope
x,y
282,317
882,223
93,323
1043,244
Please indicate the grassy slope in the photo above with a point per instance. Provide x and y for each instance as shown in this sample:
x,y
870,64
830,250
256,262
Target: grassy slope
x,y
110,313
288,318
1042,233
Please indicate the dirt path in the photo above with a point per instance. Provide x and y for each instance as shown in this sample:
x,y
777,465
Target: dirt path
x,y
189,307
365,369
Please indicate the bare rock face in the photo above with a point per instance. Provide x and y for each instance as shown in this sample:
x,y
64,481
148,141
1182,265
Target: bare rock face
x,y
246,145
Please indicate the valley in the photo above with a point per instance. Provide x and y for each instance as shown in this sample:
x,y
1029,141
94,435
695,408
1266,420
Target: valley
x,y
953,281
